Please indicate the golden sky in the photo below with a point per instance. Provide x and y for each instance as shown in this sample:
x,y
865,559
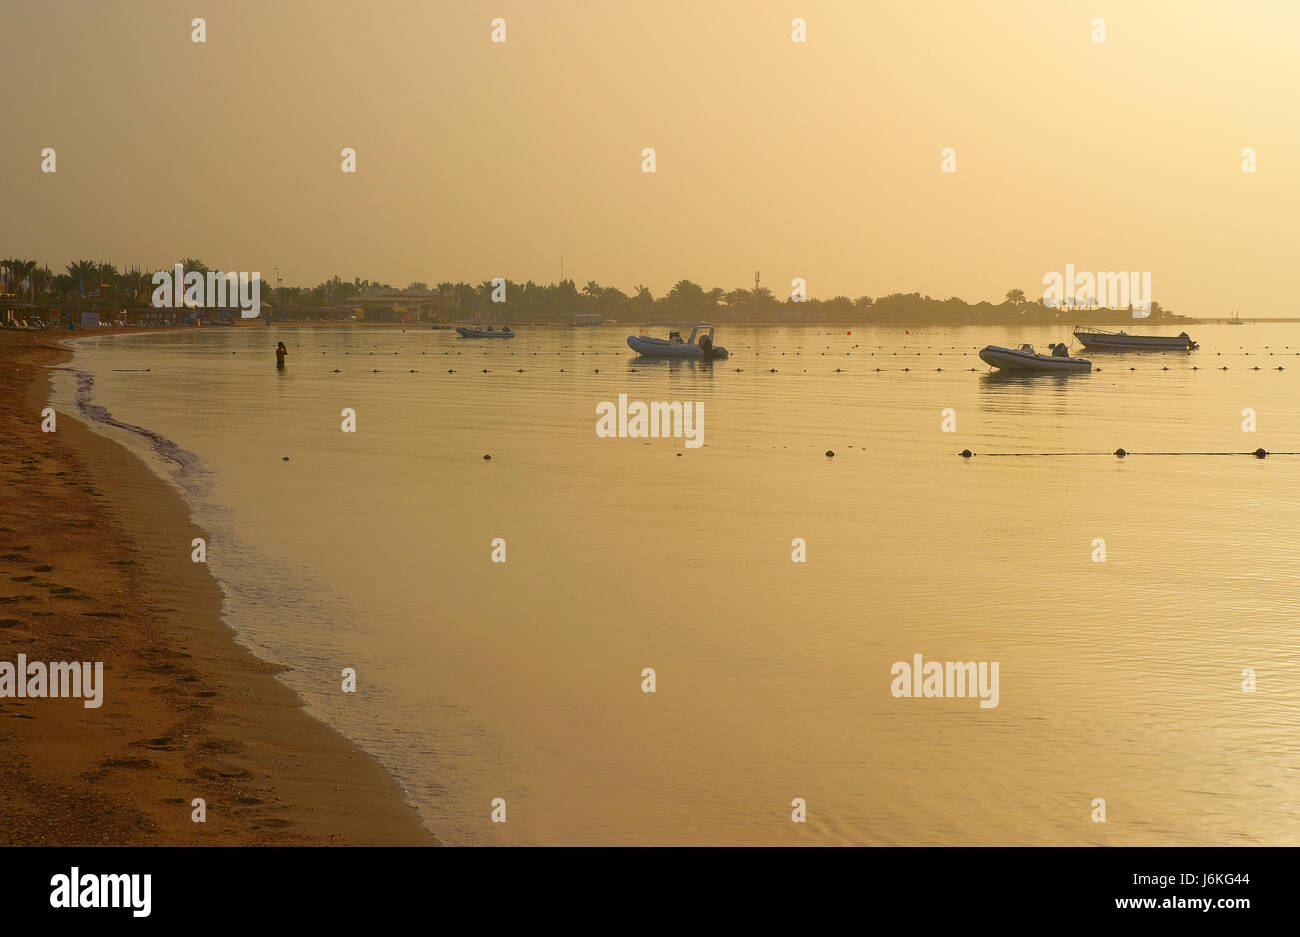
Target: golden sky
x,y
818,160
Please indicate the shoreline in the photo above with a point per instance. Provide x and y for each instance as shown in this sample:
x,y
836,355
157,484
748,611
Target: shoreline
x,y
95,565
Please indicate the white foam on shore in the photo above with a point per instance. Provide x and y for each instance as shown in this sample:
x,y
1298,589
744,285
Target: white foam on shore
x,y
254,587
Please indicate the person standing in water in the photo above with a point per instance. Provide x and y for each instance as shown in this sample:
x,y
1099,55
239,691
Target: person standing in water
x,y
280,354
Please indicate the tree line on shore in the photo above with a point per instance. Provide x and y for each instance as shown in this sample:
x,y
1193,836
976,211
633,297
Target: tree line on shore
x,y
92,282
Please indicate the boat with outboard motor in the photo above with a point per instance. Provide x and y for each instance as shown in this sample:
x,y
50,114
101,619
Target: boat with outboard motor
x,y
699,345
489,332
1101,340
1025,358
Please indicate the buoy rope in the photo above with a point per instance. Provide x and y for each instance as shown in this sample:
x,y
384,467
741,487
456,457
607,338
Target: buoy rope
x,y
1254,452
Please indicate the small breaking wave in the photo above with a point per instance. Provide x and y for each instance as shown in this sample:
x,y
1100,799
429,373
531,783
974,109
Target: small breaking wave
x,y
188,472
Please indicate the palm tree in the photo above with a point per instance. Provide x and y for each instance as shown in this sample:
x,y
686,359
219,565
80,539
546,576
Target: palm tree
x,y
23,271
1015,297
41,277
687,291
107,277
739,298
8,264
81,271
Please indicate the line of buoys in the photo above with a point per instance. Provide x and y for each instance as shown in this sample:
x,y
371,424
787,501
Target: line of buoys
x,y
1260,453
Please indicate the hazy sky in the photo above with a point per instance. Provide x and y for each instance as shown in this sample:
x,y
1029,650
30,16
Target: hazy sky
x,y
818,160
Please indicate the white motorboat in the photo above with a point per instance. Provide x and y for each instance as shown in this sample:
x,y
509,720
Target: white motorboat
x,y
1099,339
1025,358
699,345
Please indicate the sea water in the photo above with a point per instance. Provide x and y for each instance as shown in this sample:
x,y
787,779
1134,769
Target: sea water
x,y
1142,611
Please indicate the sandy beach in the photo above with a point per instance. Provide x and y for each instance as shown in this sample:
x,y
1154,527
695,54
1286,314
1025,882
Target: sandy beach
x,y
95,566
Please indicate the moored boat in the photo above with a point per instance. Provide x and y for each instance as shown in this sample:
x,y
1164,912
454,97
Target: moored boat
x,y
489,332
1025,358
699,345
1101,340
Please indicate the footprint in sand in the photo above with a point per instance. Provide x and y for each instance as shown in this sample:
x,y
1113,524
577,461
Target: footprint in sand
x,y
228,772
137,763
163,744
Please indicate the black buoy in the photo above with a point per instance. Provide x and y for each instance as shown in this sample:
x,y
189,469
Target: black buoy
x,y
285,459
1121,453
966,453
487,458
1261,453
830,453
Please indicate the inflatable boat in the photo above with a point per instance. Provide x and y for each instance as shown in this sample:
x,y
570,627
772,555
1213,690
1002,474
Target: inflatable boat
x,y
699,345
1025,358
484,333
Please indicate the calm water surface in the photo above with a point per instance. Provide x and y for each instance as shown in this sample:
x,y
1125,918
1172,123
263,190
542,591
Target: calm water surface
x,y
1120,680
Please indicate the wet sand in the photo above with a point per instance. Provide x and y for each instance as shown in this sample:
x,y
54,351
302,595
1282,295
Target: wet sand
x,y
95,566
